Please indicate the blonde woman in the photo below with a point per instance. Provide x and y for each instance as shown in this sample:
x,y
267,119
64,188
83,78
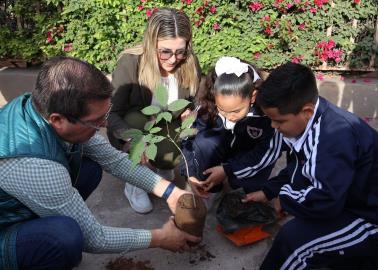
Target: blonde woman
x,y
164,57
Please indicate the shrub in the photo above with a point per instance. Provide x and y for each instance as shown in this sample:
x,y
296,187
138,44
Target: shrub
x,y
266,32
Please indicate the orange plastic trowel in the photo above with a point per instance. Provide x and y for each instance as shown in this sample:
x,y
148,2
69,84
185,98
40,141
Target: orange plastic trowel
x,y
245,236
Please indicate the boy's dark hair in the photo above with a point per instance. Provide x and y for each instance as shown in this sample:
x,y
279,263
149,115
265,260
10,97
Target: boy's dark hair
x,y
225,84
66,85
288,88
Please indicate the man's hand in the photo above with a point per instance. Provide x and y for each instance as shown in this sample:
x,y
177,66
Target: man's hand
x,y
198,187
171,238
216,177
257,196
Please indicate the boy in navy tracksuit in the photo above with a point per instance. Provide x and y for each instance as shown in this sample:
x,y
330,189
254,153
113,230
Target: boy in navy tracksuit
x,y
233,135
330,184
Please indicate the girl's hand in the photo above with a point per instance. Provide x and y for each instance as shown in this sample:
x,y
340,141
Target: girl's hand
x,y
198,187
188,112
216,177
257,196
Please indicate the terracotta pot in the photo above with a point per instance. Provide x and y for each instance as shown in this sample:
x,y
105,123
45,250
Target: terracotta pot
x,y
190,217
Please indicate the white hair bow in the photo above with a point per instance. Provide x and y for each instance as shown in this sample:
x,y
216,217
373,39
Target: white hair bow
x,y
233,65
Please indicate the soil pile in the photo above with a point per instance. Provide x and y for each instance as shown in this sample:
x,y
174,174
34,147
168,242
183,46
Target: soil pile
x,y
123,263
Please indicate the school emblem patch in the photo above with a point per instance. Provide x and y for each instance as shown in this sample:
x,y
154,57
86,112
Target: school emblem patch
x,y
253,132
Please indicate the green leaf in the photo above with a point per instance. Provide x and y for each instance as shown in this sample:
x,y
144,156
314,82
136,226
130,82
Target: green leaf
x,y
157,139
178,105
136,151
161,95
149,125
188,132
155,130
151,151
164,115
151,110
188,121
132,133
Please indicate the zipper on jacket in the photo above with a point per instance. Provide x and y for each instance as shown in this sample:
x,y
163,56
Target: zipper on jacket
x,y
296,167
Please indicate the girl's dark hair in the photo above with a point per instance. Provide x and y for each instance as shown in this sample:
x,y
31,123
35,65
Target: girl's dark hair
x,y
225,84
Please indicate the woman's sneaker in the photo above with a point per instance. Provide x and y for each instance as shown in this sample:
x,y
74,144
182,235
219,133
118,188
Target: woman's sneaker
x,y
138,198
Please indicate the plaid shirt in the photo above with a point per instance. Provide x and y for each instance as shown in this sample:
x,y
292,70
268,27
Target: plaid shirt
x,y
45,187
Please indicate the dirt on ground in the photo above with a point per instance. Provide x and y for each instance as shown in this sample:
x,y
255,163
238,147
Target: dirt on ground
x,y
124,263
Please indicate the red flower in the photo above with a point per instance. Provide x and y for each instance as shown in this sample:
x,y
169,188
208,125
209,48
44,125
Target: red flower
x,y
357,2
213,9
150,11
255,6
140,8
301,26
49,38
199,10
268,31
313,10
216,26
297,59
67,47
143,1
257,55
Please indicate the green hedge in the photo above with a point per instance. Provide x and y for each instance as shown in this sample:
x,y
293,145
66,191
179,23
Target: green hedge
x,y
266,32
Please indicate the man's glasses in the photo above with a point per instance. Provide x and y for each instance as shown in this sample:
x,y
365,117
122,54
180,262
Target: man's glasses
x,y
165,54
93,124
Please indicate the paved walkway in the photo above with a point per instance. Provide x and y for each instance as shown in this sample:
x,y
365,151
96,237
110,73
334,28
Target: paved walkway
x,y
358,94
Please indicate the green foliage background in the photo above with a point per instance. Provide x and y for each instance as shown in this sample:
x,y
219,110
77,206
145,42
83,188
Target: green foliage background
x,y
98,30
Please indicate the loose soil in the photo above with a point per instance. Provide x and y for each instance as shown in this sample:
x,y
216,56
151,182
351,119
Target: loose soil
x,y
123,263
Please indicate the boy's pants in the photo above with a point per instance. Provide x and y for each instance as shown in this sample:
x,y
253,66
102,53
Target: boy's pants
x,y
344,242
56,242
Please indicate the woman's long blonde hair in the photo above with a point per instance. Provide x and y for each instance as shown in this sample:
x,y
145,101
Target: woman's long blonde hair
x,y
166,23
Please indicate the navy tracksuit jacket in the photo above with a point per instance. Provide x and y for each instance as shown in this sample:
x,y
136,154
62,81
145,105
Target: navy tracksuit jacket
x,y
330,186
247,153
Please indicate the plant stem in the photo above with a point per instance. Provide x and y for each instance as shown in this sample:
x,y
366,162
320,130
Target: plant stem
x,y
186,162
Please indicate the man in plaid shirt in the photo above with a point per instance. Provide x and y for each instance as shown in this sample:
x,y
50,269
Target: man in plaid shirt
x,y
51,159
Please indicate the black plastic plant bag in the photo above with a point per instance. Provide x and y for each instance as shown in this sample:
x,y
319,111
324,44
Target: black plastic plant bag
x,y
232,214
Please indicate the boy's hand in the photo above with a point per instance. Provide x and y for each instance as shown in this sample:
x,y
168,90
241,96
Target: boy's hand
x,y
171,238
216,177
198,187
257,196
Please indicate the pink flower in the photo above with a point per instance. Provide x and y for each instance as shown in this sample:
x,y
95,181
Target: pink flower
x,y
140,8
354,81
266,18
255,6
366,80
216,26
313,10
257,55
213,9
67,47
301,26
297,59
49,38
320,76
289,5
199,10
149,12
297,1
357,2
143,1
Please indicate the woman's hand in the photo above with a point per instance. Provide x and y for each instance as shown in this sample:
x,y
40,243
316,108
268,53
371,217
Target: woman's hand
x,y
216,177
171,238
198,187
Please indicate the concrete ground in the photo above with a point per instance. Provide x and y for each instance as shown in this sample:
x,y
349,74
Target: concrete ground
x,y
358,94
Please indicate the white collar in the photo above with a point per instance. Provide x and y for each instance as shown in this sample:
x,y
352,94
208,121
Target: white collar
x,y
297,143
